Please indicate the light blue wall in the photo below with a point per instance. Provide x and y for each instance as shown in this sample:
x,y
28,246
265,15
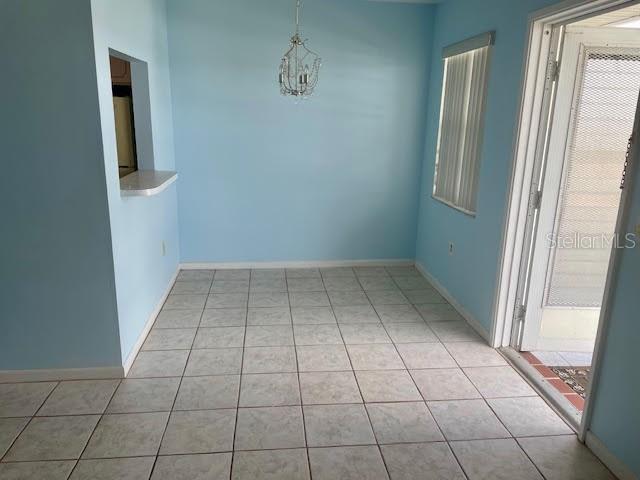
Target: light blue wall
x,y
57,293
262,178
139,225
265,178
616,408
470,274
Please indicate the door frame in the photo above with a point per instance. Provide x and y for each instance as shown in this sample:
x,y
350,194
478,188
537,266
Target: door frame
x,y
577,41
532,125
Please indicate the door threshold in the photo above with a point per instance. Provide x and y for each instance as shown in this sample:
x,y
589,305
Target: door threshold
x,y
547,391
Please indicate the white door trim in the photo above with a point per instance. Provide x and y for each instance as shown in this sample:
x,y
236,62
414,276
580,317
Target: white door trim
x,y
538,54
577,42
537,50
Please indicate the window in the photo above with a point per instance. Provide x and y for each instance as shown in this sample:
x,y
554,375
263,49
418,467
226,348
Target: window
x,y
461,121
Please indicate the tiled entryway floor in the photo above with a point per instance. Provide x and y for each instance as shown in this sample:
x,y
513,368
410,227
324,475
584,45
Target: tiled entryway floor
x,y
341,373
567,372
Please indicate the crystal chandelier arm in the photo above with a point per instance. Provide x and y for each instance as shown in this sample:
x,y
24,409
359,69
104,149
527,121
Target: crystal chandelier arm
x,y
308,51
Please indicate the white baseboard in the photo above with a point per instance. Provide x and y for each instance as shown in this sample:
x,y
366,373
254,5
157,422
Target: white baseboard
x,y
297,264
147,326
56,374
471,320
612,462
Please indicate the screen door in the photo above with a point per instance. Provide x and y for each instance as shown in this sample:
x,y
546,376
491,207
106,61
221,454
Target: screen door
x,y
593,119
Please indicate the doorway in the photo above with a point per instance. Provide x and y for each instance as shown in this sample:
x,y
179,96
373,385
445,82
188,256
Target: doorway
x,y
580,193
564,230
592,120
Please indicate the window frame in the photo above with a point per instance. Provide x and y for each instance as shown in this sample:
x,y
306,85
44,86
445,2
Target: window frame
x,y
485,40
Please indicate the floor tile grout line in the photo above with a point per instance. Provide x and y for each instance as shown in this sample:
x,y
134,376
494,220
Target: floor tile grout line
x,y
184,368
248,407
314,404
100,415
427,405
295,352
199,320
384,326
485,399
397,443
524,452
464,472
298,375
314,371
57,384
364,403
418,389
31,417
14,462
95,427
176,349
244,341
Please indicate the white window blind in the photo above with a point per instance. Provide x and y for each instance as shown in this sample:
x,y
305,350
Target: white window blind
x,y
461,122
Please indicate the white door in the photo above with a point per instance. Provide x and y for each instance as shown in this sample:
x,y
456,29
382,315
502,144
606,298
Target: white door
x,y
595,104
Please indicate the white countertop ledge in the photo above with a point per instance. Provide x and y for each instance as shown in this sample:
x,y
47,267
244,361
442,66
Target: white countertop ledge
x,y
145,183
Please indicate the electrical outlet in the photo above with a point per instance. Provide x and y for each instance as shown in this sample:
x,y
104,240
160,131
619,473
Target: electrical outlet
x,y
450,248
163,248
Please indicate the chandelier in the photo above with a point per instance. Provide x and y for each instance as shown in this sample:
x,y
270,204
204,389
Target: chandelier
x,y
299,68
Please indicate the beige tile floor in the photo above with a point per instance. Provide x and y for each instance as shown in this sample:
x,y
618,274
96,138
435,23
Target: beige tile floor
x,y
339,373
